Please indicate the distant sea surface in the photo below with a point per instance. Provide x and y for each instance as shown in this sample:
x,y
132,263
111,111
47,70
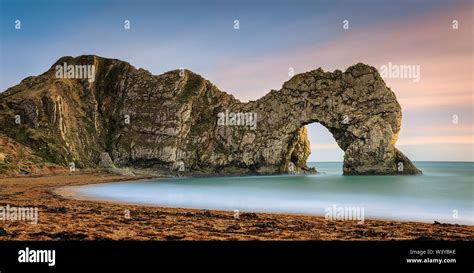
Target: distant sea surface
x,y
443,193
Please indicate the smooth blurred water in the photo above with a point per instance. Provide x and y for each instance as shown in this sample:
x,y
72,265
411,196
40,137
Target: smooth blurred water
x,y
443,189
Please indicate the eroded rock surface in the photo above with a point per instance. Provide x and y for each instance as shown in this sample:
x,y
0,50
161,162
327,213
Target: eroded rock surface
x,y
169,122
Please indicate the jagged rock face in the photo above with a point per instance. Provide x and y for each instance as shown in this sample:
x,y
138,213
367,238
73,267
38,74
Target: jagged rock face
x,y
179,121
356,106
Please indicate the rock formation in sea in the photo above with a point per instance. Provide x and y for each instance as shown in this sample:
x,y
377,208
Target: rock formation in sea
x,y
179,122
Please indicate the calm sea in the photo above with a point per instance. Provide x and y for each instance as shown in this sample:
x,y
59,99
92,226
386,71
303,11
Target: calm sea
x,y
443,193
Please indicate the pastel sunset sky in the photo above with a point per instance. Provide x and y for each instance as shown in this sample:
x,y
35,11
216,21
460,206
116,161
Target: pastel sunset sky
x,y
273,36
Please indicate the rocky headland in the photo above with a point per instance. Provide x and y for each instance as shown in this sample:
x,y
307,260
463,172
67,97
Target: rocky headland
x,y
130,121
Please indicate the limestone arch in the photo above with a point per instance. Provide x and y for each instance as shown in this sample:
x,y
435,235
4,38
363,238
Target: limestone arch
x,y
357,108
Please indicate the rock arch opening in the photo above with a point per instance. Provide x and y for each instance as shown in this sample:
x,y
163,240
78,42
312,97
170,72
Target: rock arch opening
x,y
313,144
324,147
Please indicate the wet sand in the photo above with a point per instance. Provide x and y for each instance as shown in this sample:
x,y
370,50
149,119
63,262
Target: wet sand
x,y
64,218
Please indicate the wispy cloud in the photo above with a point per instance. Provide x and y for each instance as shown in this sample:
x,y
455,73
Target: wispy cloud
x,y
444,55
446,140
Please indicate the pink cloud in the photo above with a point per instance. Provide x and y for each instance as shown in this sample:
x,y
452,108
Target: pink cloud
x,y
443,54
